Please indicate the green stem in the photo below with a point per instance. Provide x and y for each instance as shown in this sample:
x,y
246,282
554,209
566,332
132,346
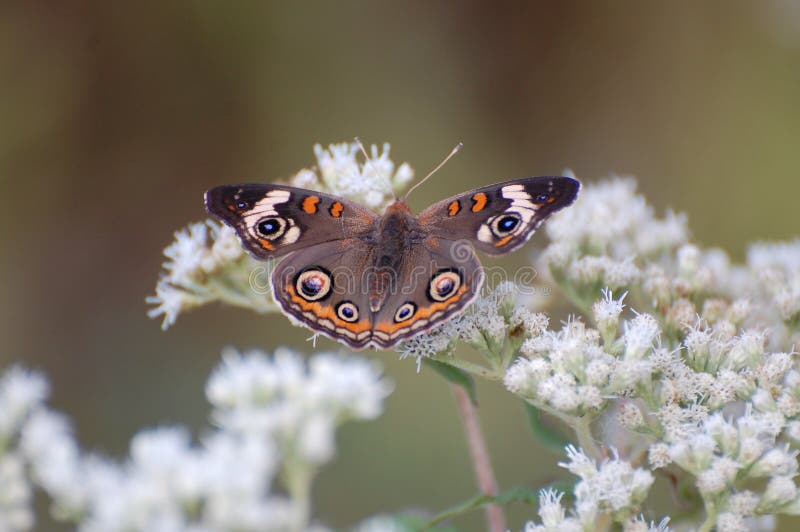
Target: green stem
x,y
298,478
711,519
469,367
583,430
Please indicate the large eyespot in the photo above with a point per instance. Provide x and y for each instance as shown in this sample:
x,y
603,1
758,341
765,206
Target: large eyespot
x,y
271,228
505,224
347,311
404,312
313,284
444,284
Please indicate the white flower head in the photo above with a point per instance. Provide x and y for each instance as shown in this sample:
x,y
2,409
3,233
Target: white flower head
x,y
552,514
640,335
373,182
21,392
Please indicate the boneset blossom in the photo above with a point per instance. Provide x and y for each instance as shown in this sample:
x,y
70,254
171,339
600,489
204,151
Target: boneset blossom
x,y
276,418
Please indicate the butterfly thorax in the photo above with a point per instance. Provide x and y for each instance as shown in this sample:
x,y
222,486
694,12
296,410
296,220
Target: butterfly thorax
x,y
392,237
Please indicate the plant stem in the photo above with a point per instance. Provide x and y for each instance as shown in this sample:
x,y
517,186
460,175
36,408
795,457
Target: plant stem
x,y
469,367
480,457
298,480
708,524
583,431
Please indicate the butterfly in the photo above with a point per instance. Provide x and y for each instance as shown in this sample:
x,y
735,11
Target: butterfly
x,y
366,279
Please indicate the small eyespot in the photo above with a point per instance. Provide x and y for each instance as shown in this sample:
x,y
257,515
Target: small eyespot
x,y
505,224
405,312
444,284
271,228
347,311
542,198
313,284
241,205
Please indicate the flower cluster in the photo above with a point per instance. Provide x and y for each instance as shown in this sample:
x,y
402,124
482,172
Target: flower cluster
x,y
615,488
495,325
700,380
275,419
207,263
373,183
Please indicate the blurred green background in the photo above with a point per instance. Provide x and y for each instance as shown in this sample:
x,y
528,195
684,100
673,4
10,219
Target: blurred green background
x,y
117,116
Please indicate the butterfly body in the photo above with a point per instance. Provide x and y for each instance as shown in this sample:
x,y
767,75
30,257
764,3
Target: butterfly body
x,y
374,280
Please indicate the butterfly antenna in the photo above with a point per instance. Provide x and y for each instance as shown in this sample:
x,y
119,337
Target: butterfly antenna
x,y
361,146
450,156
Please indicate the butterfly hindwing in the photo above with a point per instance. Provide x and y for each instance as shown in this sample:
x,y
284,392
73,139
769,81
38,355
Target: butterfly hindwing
x,y
335,289
272,220
439,279
321,287
499,218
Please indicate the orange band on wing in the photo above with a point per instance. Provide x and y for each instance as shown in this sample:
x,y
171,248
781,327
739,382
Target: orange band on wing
x,y
504,241
336,209
326,312
422,313
310,204
266,244
480,200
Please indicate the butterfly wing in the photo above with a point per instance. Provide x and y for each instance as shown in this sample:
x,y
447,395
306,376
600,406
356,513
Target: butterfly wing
x,y
330,288
500,218
321,287
272,220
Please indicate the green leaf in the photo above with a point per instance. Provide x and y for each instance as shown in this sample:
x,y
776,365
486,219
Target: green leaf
x,y
456,376
523,494
549,438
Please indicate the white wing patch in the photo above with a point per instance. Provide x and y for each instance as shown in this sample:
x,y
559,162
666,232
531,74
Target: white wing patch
x,y
521,205
265,208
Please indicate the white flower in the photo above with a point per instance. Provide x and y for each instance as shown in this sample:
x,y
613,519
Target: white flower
x,y
373,183
614,486
658,455
638,524
48,444
21,392
524,376
16,495
719,475
774,462
780,490
552,515
731,522
207,263
606,314
630,416
640,334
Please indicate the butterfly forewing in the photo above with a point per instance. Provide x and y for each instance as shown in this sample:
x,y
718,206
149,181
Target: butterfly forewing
x,y
272,220
500,218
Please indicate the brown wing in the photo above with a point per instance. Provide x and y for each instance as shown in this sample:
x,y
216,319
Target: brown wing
x,y
272,220
321,287
501,217
438,280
